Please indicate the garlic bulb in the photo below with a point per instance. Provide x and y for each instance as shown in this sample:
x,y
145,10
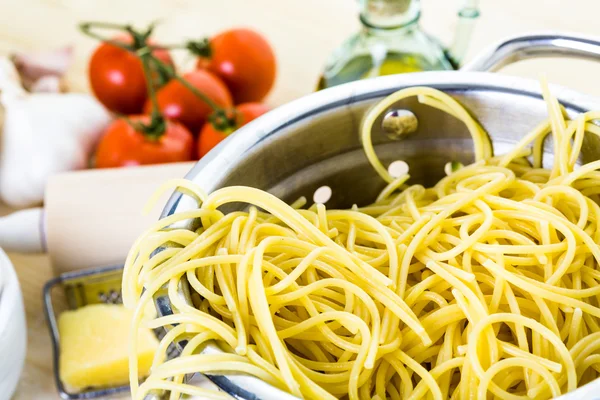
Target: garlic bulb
x,y
42,134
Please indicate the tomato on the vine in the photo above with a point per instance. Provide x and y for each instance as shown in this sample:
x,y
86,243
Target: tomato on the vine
x,y
244,60
122,145
210,136
178,103
117,76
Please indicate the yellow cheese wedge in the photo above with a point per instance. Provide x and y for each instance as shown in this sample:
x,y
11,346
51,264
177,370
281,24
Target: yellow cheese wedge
x,y
94,346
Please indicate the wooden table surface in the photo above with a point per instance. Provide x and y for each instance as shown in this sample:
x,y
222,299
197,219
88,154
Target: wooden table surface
x,y
303,34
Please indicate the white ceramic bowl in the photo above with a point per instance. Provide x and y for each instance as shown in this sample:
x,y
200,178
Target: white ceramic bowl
x,y
13,332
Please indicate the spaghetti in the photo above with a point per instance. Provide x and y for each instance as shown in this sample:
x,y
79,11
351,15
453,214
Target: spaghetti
x,y
483,286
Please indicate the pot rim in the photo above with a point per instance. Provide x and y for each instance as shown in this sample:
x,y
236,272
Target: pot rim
x,y
221,160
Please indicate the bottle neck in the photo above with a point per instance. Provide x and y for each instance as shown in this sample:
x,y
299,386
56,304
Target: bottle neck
x,y
389,14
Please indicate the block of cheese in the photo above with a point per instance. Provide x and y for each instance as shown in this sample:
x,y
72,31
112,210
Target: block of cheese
x,y
94,346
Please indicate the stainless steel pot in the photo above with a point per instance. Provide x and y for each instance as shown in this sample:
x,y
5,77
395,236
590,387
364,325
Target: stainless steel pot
x,y
314,141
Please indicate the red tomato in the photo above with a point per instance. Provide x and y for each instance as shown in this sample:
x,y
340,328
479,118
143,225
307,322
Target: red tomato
x,y
123,146
180,104
245,61
210,137
117,77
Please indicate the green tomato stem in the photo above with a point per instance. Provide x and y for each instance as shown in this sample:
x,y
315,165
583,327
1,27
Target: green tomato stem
x,y
223,121
158,125
200,48
87,28
172,46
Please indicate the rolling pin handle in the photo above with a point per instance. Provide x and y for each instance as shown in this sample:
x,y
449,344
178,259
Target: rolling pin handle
x,y
23,231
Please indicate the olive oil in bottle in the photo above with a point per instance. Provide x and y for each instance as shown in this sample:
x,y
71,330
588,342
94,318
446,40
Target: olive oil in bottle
x,y
362,67
391,42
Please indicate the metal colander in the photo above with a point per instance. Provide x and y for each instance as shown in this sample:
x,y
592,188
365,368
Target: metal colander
x,y
314,142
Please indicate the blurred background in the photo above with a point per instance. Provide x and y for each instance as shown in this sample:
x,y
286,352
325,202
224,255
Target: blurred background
x,y
303,33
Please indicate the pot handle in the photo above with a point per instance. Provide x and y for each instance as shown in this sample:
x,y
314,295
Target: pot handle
x,y
523,47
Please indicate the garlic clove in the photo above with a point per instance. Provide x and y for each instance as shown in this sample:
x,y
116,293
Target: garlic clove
x,y
47,84
34,66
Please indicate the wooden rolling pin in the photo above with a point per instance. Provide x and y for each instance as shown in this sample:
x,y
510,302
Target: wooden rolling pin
x,y
90,218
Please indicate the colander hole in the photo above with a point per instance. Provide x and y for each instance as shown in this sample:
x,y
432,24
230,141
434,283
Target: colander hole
x,y
322,195
398,168
452,167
